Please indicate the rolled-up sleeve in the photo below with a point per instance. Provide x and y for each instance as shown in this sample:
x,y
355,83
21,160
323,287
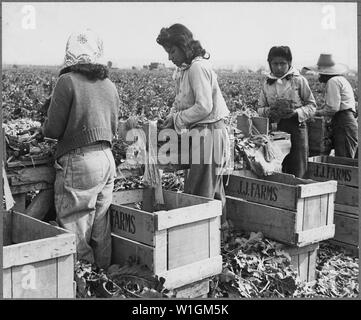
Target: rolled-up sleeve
x,y
308,110
58,112
200,84
332,100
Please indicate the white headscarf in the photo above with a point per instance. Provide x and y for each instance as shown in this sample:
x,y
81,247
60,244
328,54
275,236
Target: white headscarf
x,y
83,47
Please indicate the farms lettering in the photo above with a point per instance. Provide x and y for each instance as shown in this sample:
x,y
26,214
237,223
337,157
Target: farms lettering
x,y
332,173
259,191
123,221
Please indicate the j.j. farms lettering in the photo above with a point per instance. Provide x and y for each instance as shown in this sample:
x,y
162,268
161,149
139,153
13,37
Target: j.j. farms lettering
x,y
332,173
258,191
123,221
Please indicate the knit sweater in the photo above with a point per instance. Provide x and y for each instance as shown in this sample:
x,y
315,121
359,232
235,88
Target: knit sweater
x,y
81,112
199,99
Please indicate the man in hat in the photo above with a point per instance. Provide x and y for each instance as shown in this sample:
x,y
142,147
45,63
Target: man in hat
x,y
83,116
339,105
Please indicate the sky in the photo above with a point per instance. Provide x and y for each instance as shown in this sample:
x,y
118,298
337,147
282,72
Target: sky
x,y
234,33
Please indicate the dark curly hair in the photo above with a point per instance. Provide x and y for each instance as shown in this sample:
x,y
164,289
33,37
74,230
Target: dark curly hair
x,y
180,36
91,71
281,51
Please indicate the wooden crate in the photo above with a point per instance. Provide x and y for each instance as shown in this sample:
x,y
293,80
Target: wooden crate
x,y
180,244
347,200
346,232
284,208
323,168
199,289
347,212
303,260
317,137
38,259
245,124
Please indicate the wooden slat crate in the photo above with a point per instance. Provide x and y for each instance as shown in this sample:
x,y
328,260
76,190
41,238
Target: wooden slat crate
x,y
199,289
347,232
303,260
317,135
180,244
284,208
38,259
347,212
323,168
245,124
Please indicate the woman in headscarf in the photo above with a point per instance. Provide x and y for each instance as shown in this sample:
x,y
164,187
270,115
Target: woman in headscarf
x,y
286,98
83,116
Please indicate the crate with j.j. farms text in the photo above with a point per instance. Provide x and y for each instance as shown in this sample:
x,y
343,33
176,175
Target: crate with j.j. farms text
x,y
38,259
287,209
180,243
345,171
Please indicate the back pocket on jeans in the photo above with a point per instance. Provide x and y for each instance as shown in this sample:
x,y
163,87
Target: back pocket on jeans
x,y
87,171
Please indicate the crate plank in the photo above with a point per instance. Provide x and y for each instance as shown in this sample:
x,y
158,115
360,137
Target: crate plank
x,y
123,248
316,234
315,204
350,249
347,196
194,290
279,190
7,234
303,266
317,188
35,281
30,175
7,287
29,163
303,260
169,219
193,272
275,223
19,202
176,200
41,204
181,250
323,168
312,263
161,253
347,209
347,228
64,277
214,237
260,191
30,187
43,249
336,160
132,223
316,135
128,196
25,228
261,124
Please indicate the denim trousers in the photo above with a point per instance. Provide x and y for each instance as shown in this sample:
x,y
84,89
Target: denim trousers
x,y
296,160
83,193
344,134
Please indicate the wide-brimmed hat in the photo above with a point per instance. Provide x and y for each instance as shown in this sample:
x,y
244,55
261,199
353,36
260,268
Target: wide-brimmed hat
x,y
83,47
326,65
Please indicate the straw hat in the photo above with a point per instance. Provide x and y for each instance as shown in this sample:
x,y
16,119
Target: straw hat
x,y
326,65
83,47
